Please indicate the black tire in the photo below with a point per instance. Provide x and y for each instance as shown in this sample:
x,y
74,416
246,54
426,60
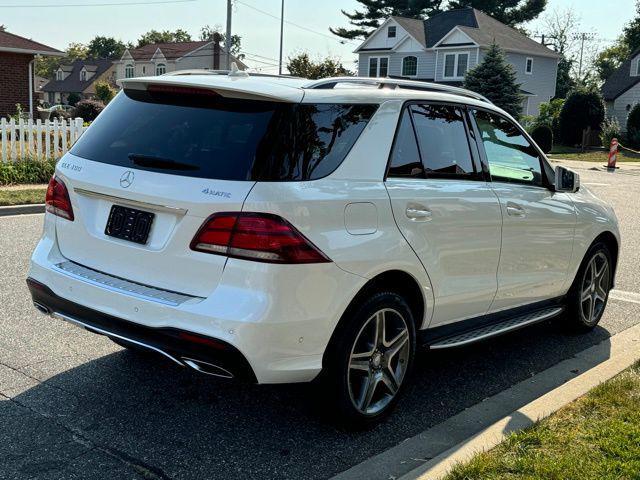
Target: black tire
x,y
580,316
345,377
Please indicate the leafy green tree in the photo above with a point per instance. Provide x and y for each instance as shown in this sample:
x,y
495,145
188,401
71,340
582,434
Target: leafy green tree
x,y
374,12
496,79
633,126
610,59
105,47
631,32
73,98
582,109
511,12
564,81
207,33
303,66
46,66
165,36
105,92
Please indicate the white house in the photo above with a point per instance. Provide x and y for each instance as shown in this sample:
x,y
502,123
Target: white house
x,y
444,47
621,91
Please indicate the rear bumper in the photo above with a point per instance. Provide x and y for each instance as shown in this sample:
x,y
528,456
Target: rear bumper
x,y
207,355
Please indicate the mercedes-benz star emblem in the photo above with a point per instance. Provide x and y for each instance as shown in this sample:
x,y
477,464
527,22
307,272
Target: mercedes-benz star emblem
x,y
127,179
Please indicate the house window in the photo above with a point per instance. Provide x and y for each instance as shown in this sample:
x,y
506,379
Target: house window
x,y
637,67
128,71
83,75
161,69
391,32
378,66
144,69
455,65
528,69
59,75
410,66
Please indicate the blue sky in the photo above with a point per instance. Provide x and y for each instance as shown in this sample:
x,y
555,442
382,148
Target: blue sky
x,y
59,25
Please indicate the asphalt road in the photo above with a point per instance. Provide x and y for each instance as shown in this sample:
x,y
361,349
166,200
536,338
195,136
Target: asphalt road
x,y
75,405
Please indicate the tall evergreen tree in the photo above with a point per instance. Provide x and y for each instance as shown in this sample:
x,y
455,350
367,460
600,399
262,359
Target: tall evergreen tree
x,y
511,12
564,81
374,12
497,80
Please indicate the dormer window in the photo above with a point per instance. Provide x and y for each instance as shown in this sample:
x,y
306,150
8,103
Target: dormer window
x,y
59,75
161,69
637,67
391,32
83,75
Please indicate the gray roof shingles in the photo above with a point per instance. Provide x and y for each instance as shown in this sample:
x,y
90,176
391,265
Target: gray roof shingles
x,y
12,41
73,84
621,80
480,27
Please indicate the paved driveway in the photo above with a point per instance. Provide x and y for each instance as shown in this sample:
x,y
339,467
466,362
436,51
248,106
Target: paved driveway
x,y
75,405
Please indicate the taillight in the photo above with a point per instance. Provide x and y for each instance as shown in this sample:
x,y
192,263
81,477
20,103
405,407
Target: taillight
x,y
255,236
57,200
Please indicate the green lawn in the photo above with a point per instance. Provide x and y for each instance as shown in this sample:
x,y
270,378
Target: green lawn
x,y
22,196
595,438
601,156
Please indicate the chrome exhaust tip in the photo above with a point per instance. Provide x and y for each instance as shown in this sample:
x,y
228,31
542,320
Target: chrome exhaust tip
x,y
41,308
207,368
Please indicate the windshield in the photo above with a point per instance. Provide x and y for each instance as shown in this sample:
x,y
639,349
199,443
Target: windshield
x,y
210,136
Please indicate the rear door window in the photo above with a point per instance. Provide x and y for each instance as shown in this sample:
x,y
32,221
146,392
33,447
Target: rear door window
x,y
443,141
405,158
208,136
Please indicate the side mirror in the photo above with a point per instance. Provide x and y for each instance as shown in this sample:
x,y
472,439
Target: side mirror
x,y
567,180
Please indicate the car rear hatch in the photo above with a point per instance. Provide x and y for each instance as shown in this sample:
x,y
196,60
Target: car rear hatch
x,y
153,166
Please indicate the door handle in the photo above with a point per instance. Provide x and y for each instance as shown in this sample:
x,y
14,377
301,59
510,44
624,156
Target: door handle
x,y
418,213
515,210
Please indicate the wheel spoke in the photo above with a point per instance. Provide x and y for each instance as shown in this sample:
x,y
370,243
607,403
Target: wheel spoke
x,y
359,363
397,343
592,308
367,391
586,294
379,336
390,380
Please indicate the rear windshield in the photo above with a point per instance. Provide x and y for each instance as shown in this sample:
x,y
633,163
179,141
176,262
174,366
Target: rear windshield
x,y
213,137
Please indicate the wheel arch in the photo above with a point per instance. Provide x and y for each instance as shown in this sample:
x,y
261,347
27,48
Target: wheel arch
x,y
396,281
611,241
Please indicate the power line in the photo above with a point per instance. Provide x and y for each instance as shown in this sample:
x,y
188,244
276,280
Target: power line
x,y
302,27
120,4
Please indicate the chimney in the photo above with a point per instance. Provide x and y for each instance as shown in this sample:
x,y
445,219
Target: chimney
x,y
216,51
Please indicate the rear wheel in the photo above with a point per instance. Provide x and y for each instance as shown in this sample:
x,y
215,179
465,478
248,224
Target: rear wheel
x,y
590,291
369,361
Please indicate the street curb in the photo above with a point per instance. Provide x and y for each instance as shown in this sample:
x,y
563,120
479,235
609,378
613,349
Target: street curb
x,y
433,452
624,353
21,209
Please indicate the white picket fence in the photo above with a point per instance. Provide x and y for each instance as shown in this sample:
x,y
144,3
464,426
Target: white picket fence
x,y
39,139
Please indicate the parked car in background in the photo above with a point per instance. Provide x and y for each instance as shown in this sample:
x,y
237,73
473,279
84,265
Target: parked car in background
x,y
274,229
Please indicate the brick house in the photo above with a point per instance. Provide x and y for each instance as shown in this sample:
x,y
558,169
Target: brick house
x,y
17,56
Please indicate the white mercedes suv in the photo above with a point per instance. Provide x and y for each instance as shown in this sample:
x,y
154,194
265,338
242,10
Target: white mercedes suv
x,y
275,229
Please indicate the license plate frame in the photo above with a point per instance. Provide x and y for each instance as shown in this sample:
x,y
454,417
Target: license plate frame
x,y
129,224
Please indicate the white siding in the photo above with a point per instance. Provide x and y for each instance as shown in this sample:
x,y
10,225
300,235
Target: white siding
x,y
628,99
426,63
380,39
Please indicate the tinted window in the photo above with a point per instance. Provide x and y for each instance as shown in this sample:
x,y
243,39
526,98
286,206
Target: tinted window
x,y
405,159
443,142
510,155
213,137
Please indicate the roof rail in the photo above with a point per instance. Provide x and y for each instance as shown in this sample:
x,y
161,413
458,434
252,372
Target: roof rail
x,y
177,73
396,83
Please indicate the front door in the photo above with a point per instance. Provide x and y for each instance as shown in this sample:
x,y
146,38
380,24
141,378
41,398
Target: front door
x,y
539,224
446,211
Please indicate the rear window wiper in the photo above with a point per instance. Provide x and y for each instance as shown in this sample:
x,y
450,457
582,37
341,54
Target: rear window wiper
x,y
152,161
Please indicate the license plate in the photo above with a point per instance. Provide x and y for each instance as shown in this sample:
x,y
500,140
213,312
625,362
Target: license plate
x,y
129,224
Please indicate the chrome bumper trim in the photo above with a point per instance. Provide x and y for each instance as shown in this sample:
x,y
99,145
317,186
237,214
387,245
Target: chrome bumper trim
x,y
125,287
133,203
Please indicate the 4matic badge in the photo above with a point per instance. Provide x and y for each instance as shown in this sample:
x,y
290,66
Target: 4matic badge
x,y
216,193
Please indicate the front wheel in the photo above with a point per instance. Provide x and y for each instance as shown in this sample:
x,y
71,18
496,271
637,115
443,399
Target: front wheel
x,y
590,291
368,363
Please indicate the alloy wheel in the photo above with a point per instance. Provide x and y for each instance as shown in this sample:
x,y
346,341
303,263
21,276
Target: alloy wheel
x,y
595,288
378,361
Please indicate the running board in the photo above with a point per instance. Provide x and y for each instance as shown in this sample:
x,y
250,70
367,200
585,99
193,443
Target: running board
x,y
495,329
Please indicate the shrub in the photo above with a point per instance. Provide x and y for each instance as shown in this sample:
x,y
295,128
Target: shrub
x,y
105,92
73,98
582,109
60,115
550,115
543,136
633,126
26,170
610,129
88,109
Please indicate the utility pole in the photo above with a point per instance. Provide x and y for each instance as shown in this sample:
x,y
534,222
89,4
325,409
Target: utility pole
x,y
227,40
281,37
583,37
